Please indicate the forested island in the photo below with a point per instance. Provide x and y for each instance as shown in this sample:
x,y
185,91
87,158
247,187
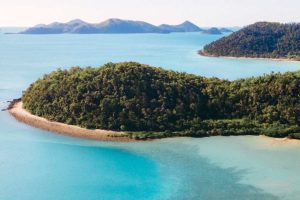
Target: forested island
x,y
148,102
259,40
109,26
117,26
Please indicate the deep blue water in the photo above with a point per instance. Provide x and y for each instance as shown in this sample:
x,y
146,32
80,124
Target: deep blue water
x,y
36,164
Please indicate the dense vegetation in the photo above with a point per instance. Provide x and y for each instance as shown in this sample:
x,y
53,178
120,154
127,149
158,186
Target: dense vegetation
x,y
151,102
262,39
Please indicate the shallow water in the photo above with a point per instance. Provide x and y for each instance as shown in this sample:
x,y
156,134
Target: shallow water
x,y
36,164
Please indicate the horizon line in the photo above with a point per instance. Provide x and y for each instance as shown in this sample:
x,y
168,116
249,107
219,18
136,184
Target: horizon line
x,y
156,24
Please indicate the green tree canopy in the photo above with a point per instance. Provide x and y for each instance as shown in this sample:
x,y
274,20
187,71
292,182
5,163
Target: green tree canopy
x,y
262,40
135,97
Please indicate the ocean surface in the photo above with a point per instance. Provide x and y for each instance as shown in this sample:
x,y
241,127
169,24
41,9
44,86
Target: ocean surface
x,y
36,164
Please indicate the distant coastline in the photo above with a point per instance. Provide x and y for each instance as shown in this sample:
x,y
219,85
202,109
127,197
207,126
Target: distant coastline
x,y
118,26
110,26
202,53
22,115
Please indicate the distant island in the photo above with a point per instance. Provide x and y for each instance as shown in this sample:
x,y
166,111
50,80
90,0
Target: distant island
x,y
144,102
226,30
259,40
213,31
112,26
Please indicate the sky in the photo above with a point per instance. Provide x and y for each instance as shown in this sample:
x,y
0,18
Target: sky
x,y
205,13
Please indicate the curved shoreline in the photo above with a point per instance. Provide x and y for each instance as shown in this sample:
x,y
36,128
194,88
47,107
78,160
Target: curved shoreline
x,y
202,53
16,110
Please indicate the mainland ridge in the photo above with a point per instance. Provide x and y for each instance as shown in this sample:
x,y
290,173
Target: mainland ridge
x,y
78,26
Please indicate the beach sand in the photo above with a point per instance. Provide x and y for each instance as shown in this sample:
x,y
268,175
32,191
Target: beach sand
x,y
16,109
282,140
247,58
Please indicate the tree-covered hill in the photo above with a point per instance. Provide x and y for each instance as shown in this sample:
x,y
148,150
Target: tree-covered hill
x,y
159,103
109,26
261,40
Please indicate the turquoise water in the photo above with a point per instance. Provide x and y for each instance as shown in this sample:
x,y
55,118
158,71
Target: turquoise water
x,y
36,164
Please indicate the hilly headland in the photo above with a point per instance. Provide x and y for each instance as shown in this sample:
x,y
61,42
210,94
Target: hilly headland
x,y
136,101
260,40
116,26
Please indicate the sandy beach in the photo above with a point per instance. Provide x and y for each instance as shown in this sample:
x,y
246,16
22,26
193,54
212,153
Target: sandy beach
x,y
279,141
17,110
247,58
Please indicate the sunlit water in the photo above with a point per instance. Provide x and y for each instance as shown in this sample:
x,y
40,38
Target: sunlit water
x,y
36,164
